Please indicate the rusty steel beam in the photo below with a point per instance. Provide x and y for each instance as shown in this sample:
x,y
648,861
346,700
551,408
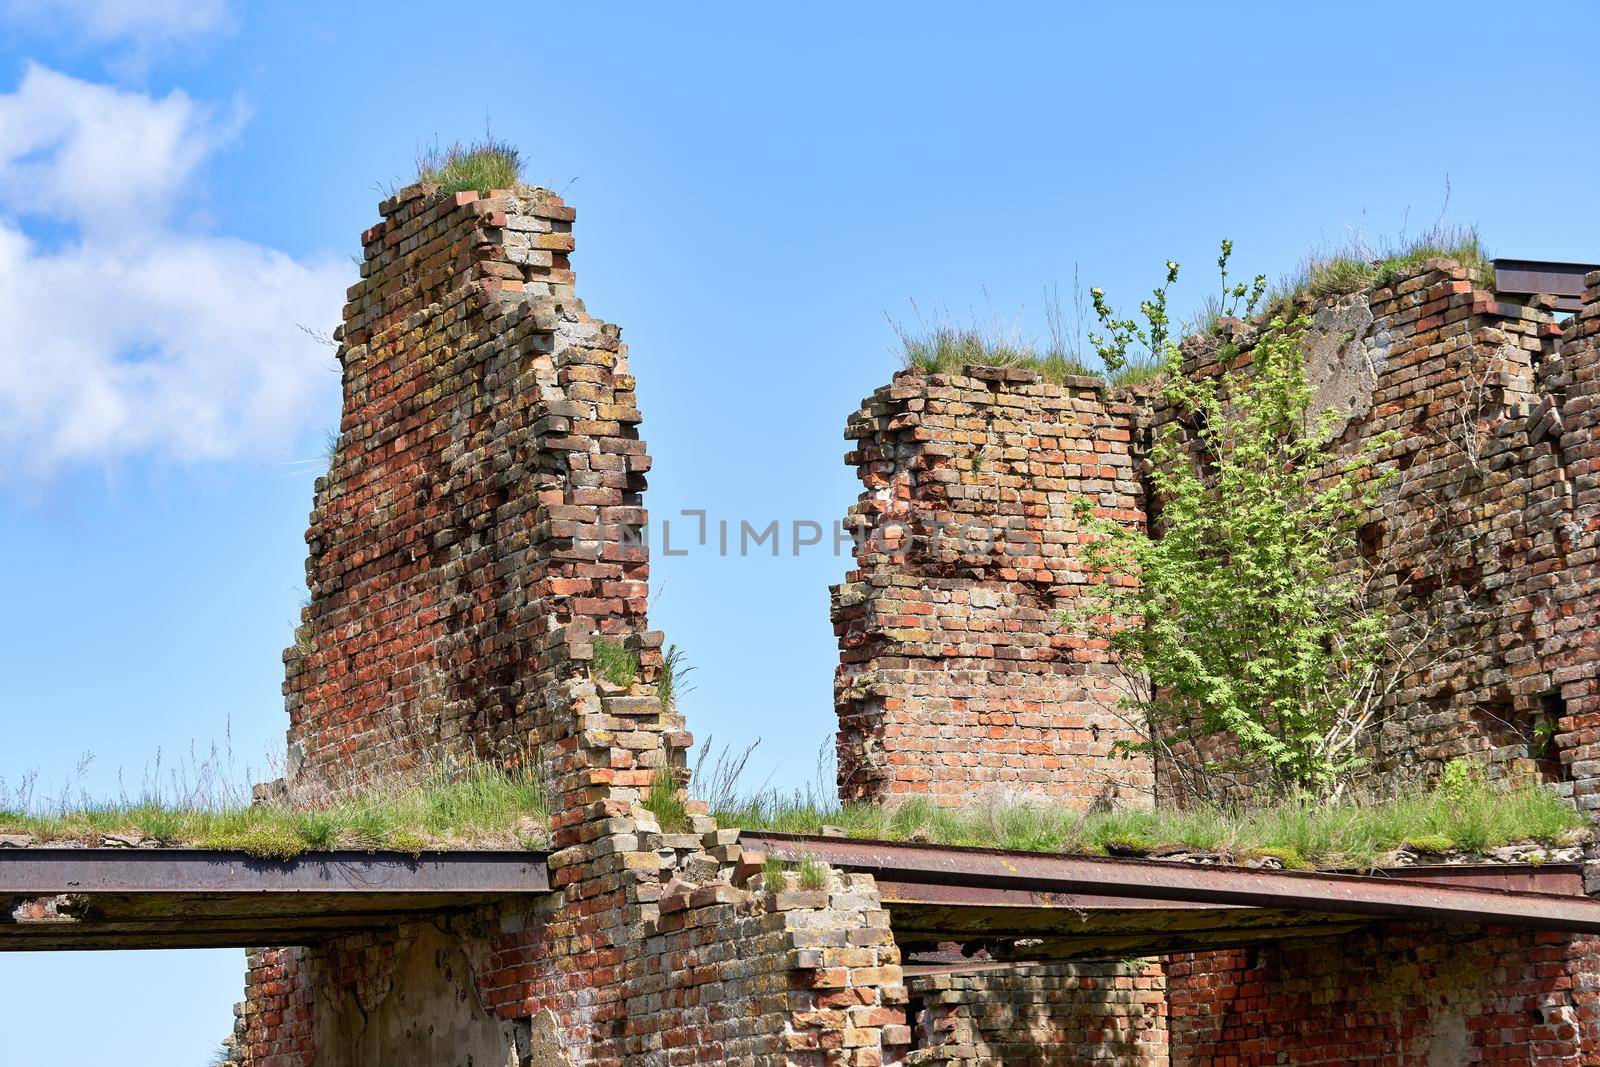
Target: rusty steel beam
x,y
35,872
1563,879
952,873
1529,277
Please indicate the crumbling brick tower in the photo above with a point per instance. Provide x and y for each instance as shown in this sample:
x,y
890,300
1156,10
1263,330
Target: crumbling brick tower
x,y
956,679
472,525
475,532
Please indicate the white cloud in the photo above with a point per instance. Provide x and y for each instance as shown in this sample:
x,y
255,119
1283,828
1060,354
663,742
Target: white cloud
x,y
132,336
109,161
144,23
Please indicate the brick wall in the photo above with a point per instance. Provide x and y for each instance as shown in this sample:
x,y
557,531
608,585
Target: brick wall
x,y
1484,546
1079,1013
471,538
655,950
1475,548
1400,994
955,679
472,519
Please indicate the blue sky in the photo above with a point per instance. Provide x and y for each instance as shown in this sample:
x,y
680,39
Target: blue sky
x,y
182,185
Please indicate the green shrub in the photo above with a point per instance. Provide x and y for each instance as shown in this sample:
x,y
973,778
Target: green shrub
x,y
1463,780
1233,618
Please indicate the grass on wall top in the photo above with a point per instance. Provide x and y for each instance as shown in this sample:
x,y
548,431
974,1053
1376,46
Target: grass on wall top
x,y
484,806
481,806
1349,835
480,166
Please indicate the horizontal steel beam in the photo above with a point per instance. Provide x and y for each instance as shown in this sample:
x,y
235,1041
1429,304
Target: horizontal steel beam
x,y
32,872
1528,277
957,870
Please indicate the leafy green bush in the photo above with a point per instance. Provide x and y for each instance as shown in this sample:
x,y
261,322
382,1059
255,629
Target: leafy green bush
x,y
1233,618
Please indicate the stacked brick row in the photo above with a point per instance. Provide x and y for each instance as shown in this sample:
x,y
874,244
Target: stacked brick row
x,y
956,678
1081,1013
476,512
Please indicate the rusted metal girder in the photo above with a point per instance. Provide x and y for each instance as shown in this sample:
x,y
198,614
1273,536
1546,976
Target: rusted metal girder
x,y
1529,277
56,898
26,872
972,877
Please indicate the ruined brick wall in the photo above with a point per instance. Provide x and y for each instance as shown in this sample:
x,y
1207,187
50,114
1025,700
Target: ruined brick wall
x,y
1078,1013
1400,994
474,515
472,538
1480,548
1566,422
956,680
273,1024
654,950
1484,544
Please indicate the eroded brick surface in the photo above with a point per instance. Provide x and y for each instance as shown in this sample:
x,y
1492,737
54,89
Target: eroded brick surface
x,y
1080,1013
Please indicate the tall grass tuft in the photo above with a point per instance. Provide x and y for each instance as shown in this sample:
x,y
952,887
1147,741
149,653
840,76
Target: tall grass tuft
x,y
481,166
665,799
675,669
944,346
1360,263
614,662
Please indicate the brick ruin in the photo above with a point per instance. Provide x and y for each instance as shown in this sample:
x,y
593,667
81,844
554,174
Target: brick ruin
x,y
1484,545
477,531
955,679
472,538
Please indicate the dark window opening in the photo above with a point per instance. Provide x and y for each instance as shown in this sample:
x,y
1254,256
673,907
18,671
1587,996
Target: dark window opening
x,y
1545,739
1370,538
